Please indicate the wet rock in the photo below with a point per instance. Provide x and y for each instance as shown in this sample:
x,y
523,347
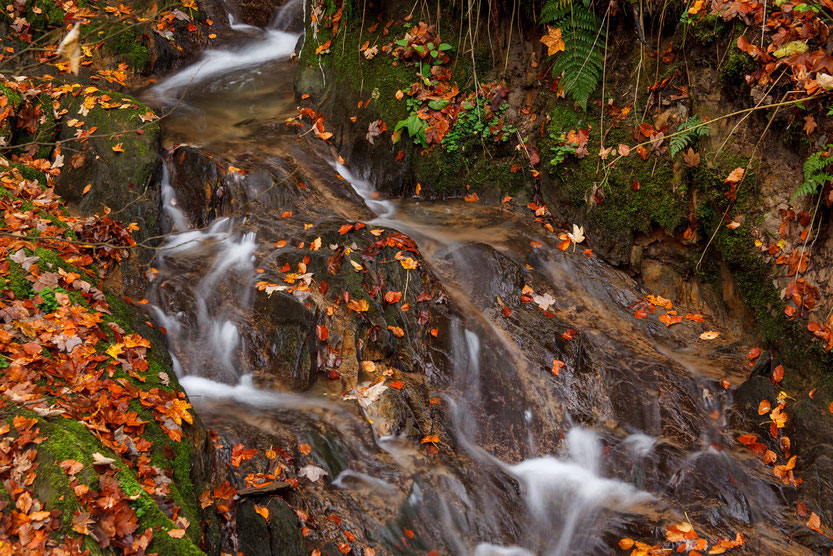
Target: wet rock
x,y
280,345
279,536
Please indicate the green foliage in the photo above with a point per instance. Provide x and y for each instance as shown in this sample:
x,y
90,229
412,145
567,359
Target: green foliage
x,y
582,61
687,131
413,123
50,303
559,150
816,173
476,120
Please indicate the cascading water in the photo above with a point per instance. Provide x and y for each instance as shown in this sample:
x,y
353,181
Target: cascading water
x,y
527,501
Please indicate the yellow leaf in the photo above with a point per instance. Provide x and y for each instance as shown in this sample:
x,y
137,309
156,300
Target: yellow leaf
x,y
262,511
119,148
115,350
408,263
553,40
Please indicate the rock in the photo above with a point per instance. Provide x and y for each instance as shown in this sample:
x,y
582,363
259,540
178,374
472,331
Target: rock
x,y
279,536
125,182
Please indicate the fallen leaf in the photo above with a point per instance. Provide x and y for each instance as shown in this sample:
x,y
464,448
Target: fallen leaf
x,y
312,472
709,335
262,511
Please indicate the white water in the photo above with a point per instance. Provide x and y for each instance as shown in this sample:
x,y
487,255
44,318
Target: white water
x,y
567,494
274,45
380,207
179,222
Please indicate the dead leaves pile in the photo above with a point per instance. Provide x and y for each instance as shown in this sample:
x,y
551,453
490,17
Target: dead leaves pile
x,y
64,357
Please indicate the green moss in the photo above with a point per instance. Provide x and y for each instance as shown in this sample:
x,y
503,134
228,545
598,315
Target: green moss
x,y
660,200
736,65
17,281
708,29
131,48
29,173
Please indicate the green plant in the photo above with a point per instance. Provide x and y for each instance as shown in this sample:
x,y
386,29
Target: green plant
x,y
816,174
581,63
413,123
687,131
560,149
50,302
476,120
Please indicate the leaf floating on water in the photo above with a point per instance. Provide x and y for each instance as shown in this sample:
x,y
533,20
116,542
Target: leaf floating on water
x,y
312,472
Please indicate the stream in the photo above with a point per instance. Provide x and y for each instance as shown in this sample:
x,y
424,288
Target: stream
x,y
634,434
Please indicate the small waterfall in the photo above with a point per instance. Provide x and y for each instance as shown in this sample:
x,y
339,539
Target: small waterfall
x,y
567,495
290,17
209,347
179,222
365,190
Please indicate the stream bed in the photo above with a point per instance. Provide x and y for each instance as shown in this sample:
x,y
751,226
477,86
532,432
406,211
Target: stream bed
x,y
456,436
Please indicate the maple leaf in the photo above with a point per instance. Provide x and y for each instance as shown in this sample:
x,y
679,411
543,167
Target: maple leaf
x,y
312,472
179,412
553,40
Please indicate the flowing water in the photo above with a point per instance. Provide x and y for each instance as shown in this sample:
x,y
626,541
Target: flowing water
x,y
633,435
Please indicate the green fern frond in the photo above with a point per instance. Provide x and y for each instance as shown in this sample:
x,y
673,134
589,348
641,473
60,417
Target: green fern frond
x,y
552,10
679,142
581,64
814,176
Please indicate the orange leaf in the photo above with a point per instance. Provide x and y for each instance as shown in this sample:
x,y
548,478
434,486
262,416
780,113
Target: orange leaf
x,y
176,533
814,522
777,374
396,384
557,365
87,189
263,511
735,175
322,331
764,407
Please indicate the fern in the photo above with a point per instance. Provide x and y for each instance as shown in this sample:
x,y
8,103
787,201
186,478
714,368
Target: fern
x,y
686,134
814,175
582,61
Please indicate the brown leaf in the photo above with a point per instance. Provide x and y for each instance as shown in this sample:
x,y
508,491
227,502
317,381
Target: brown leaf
x,y
691,158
